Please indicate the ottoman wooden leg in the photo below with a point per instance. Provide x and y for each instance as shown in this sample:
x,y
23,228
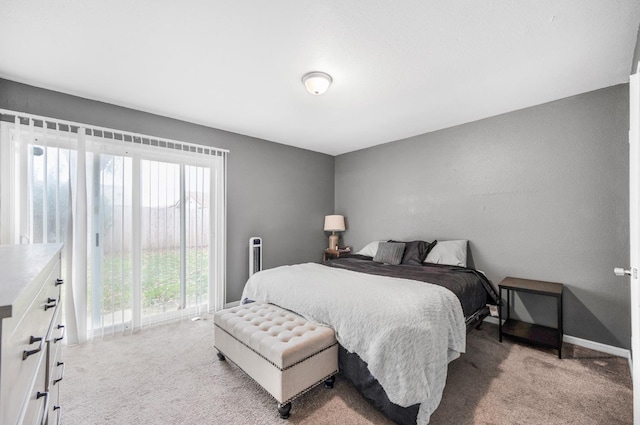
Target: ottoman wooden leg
x,y
284,410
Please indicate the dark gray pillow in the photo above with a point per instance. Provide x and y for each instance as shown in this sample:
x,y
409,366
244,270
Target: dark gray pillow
x,y
415,251
389,253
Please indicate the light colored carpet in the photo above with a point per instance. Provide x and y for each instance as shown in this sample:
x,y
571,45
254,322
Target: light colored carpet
x,y
169,374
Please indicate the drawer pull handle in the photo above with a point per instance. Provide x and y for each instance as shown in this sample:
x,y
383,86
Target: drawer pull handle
x,y
61,337
27,353
59,282
59,413
58,364
51,303
46,405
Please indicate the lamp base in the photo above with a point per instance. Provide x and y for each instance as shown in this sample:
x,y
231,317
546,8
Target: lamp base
x,y
333,241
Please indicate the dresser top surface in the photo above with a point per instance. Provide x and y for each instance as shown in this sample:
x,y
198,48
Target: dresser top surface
x,y
19,266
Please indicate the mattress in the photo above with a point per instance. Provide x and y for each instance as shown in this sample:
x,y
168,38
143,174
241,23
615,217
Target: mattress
x,y
341,297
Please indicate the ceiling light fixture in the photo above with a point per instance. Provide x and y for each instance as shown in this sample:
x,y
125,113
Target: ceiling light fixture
x,y
317,82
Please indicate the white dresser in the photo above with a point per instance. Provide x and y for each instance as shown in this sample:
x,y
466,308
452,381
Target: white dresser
x,y
31,334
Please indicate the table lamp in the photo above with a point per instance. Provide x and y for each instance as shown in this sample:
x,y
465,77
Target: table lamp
x,y
333,224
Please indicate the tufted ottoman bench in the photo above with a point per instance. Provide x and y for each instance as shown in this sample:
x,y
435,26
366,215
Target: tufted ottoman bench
x,y
283,352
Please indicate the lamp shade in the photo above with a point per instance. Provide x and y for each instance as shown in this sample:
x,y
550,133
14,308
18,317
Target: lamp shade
x,y
334,223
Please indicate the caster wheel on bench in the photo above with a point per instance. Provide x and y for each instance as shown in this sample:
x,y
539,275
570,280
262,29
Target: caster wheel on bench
x,y
329,382
221,356
284,410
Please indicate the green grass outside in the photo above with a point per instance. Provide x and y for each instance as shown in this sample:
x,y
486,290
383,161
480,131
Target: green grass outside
x,y
160,280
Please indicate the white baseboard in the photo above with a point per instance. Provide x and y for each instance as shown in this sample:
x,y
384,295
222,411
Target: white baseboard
x,y
592,345
237,303
597,346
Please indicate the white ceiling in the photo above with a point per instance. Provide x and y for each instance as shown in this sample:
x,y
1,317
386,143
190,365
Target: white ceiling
x,y
399,68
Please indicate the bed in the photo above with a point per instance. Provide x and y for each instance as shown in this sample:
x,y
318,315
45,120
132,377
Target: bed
x,y
398,325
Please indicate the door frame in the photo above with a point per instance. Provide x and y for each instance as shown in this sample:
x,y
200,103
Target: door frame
x,y
634,235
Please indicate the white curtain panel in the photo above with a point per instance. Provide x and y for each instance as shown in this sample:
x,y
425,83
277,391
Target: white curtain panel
x,y
143,220
79,238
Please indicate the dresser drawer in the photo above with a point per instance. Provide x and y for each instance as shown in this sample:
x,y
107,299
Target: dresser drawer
x,y
55,414
36,409
55,338
55,372
24,346
55,410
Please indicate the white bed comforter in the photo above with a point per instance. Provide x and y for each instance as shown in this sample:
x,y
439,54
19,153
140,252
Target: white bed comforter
x,y
406,331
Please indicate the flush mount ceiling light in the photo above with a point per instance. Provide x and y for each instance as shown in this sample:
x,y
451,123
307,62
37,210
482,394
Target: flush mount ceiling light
x,y
317,82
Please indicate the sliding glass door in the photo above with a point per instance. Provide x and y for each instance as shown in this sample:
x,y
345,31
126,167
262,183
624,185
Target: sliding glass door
x,y
197,218
153,219
175,238
161,238
110,266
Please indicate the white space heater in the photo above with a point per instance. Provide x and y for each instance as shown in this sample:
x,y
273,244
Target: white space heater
x,y
255,255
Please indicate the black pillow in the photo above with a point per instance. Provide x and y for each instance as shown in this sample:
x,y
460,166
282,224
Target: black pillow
x,y
416,251
389,253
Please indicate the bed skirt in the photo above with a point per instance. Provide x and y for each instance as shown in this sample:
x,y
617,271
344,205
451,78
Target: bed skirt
x,y
355,370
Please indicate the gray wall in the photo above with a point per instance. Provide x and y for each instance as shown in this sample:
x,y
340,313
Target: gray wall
x,y
541,193
277,192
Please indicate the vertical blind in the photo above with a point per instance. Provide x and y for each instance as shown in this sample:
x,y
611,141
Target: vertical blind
x,y
143,219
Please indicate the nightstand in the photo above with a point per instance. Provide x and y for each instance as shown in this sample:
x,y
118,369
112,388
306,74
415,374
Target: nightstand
x,y
330,254
543,335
